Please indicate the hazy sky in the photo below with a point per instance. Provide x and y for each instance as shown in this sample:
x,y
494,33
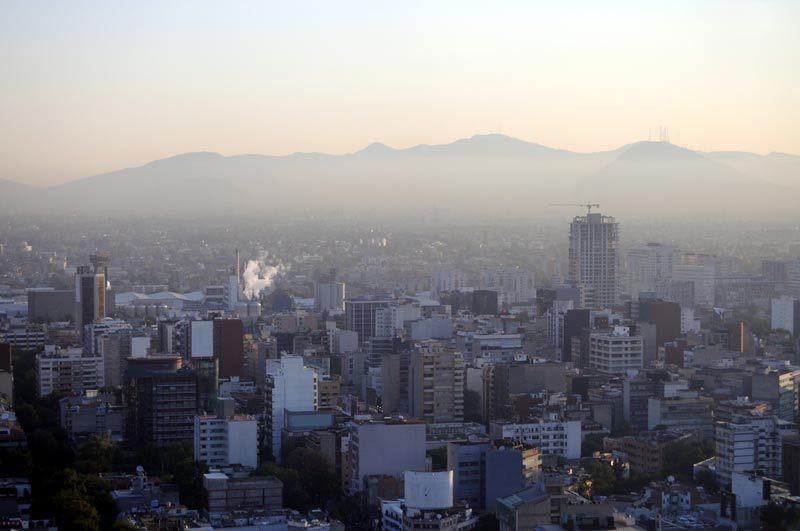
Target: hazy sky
x,y
88,87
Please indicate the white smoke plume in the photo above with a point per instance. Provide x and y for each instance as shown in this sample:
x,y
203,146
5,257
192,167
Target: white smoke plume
x,y
258,276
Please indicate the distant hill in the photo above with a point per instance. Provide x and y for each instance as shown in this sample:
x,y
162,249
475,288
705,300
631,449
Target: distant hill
x,y
481,175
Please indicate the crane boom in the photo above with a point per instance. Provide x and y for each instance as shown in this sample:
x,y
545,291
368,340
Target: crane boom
x,y
588,206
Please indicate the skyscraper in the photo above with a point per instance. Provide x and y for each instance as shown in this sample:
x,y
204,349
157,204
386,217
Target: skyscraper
x,y
90,296
593,241
360,316
648,265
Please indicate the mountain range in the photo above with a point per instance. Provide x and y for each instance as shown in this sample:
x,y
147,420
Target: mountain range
x,y
483,175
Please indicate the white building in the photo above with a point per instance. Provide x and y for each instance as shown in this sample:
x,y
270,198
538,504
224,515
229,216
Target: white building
x,y
786,314
202,339
68,371
427,504
703,277
648,265
291,386
448,279
224,442
750,442
329,294
386,448
688,321
550,436
593,261
617,352
514,284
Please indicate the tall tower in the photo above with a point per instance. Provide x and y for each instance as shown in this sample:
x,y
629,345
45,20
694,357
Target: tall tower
x,y
90,296
593,243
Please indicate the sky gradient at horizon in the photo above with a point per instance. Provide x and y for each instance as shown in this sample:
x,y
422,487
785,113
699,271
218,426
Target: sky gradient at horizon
x,y
91,86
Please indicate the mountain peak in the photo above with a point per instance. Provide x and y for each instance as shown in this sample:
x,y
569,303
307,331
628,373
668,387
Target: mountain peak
x,y
656,151
376,148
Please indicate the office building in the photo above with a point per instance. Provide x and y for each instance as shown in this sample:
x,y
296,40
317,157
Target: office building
x,y
329,294
750,441
682,410
90,296
645,451
360,316
162,403
226,441
228,337
48,304
290,386
701,277
593,241
649,265
372,441
239,490
85,416
484,302
68,371
436,383
786,315
447,280
515,285
551,436
616,352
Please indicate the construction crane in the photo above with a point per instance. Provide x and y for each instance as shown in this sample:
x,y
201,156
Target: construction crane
x,y
588,206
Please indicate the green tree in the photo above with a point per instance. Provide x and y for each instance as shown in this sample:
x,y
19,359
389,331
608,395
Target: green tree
x,y
74,512
592,443
316,476
603,479
294,495
777,517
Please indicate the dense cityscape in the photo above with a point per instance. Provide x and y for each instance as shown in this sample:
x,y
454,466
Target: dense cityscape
x,y
446,265
583,373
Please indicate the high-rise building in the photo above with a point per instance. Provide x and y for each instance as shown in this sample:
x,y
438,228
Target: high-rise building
x,y
447,280
68,371
228,336
593,241
436,383
615,352
290,386
750,441
226,441
162,403
329,294
360,316
551,436
702,278
90,296
786,314
371,442
648,265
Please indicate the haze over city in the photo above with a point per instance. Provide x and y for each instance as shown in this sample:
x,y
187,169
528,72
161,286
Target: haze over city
x,y
413,266
92,87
